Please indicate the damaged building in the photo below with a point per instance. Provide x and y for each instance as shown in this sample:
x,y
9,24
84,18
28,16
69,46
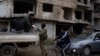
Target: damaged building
x,y
83,16
78,14
12,10
97,15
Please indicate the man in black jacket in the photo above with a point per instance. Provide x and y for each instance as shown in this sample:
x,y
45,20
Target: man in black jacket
x,y
63,40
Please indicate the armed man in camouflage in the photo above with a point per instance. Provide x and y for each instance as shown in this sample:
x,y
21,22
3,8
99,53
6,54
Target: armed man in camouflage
x,y
43,37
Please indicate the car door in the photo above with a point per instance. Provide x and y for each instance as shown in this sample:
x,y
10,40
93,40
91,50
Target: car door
x,y
96,43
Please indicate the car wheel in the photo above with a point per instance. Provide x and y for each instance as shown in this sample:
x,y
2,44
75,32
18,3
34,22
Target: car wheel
x,y
86,51
7,51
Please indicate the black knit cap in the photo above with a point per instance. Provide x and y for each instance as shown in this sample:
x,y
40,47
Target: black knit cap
x,y
43,25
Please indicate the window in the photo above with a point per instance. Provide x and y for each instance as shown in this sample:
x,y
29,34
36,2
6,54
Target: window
x,y
78,14
67,13
23,6
79,0
47,7
85,2
78,28
88,15
97,37
97,8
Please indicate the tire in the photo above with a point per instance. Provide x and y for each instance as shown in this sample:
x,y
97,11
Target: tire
x,y
72,54
53,52
7,51
86,51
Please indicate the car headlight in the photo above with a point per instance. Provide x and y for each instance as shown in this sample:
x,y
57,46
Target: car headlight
x,y
74,50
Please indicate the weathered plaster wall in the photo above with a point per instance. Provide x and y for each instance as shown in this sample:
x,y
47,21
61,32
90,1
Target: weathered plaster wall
x,y
5,8
65,3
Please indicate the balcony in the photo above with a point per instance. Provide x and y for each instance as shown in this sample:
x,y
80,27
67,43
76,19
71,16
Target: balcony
x,y
83,5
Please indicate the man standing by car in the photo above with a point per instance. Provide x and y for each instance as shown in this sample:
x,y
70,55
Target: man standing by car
x,y
63,40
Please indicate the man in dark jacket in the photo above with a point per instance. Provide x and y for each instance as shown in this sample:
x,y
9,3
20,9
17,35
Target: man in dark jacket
x,y
17,24
28,21
63,40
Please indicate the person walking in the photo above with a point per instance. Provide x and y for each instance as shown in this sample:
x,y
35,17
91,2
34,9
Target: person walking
x,y
42,39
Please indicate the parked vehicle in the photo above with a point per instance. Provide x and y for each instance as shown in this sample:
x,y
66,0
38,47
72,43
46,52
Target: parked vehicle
x,y
86,43
11,42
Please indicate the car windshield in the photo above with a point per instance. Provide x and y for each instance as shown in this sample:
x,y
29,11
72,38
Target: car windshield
x,y
84,35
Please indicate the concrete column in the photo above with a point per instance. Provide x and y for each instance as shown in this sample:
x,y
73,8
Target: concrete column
x,y
88,2
73,14
39,9
56,12
92,18
82,1
93,14
83,15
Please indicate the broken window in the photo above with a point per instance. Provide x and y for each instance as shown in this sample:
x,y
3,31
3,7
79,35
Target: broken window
x,y
96,8
88,16
47,7
85,2
23,7
79,0
67,13
78,14
78,28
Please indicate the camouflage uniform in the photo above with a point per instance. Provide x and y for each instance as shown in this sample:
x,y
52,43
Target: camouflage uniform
x,y
43,36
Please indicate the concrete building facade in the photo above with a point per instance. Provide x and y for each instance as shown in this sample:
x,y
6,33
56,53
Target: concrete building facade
x,y
79,14
97,15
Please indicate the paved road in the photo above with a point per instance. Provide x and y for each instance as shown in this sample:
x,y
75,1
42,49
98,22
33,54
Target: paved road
x,y
35,51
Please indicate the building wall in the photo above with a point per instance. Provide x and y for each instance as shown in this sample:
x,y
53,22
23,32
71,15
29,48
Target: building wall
x,y
59,9
97,15
56,15
5,8
65,3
